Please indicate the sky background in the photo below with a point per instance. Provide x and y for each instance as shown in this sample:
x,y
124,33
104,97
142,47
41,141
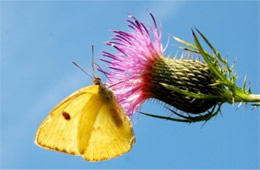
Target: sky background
x,y
40,39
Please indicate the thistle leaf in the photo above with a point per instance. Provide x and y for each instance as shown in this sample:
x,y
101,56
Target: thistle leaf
x,y
205,56
164,117
188,93
214,50
184,42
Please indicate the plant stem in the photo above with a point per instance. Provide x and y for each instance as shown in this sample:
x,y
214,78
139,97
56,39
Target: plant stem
x,y
242,97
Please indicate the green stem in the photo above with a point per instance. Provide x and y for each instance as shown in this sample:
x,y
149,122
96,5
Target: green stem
x,y
242,97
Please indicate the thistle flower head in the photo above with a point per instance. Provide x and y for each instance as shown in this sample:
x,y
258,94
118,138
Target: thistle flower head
x,y
139,71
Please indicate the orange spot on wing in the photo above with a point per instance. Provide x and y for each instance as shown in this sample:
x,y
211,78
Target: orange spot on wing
x,y
66,115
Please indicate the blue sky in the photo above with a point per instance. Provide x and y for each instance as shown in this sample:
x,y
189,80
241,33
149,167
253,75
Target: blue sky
x,y
40,39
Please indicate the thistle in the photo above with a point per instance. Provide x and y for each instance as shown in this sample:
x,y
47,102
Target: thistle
x,y
193,90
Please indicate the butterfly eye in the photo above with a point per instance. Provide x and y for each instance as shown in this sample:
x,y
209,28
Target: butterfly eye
x,y
66,115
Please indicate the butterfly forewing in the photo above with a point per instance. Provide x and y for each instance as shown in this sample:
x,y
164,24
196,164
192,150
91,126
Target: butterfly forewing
x,y
59,130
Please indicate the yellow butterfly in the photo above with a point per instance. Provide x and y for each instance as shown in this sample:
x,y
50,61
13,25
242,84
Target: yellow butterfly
x,y
90,123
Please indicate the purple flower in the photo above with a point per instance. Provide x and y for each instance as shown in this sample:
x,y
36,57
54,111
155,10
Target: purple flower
x,y
130,69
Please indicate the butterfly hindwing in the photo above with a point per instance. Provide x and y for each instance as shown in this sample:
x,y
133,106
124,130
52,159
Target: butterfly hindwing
x,y
111,134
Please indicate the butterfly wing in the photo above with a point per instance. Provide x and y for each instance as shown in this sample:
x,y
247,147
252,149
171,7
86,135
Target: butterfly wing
x,y
59,130
111,133
90,123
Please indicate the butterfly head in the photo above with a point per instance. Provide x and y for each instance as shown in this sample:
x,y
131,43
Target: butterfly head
x,y
97,81
108,94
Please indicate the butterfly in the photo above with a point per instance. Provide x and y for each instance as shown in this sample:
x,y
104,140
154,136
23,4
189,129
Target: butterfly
x,y
89,123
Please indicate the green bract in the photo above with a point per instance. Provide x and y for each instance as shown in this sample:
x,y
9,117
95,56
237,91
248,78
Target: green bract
x,y
198,88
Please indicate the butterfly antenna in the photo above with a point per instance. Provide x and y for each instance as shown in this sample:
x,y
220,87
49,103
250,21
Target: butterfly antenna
x,y
100,69
93,63
82,69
